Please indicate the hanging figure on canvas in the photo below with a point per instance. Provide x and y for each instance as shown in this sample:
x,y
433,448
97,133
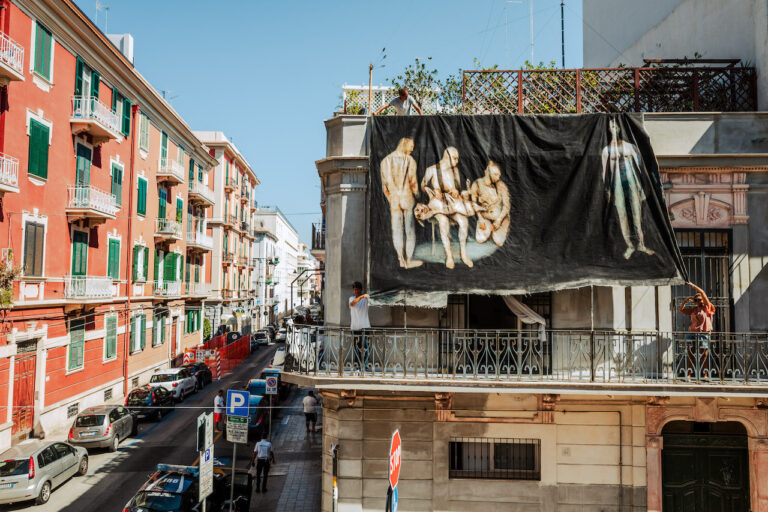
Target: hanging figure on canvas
x,y
401,187
492,197
622,166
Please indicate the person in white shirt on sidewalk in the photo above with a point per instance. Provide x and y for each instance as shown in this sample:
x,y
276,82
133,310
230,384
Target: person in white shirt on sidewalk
x,y
310,410
262,456
358,312
218,409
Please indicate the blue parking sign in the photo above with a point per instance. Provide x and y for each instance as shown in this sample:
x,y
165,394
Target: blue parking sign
x,y
237,403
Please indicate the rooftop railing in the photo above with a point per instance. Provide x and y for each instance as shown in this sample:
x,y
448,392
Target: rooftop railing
x,y
355,99
536,356
11,54
643,89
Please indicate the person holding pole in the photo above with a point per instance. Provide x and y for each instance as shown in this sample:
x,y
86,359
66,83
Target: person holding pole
x,y
701,312
262,456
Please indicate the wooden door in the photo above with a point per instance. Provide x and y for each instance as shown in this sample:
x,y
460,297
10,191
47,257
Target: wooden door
x,y
23,395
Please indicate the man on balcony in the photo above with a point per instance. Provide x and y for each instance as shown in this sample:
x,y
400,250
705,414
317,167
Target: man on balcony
x,y
701,312
358,312
404,104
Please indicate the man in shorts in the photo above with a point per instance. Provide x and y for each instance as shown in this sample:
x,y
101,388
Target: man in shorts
x,y
310,410
218,409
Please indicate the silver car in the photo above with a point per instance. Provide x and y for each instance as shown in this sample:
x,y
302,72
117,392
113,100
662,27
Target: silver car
x,y
103,426
32,468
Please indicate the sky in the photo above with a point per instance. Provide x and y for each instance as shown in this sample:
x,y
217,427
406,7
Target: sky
x,y
268,74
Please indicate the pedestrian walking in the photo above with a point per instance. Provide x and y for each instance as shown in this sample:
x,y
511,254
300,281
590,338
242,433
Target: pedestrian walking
x,y
310,410
358,312
262,456
218,410
404,104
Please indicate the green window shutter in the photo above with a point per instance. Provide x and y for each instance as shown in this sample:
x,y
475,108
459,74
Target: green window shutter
x,y
39,52
110,349
143,330
179,209
157,264
38,149
76,343
113,267
197,270
43,48
144,132
164,145
117,184
48,49
146,263
135,269
162,197
179,266
141,203
126,117
169,267
133,333
78,77
186,271
115,96
95,80
191,169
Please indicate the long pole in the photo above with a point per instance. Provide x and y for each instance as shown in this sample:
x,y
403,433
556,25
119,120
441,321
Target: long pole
x,y
232,486
562,30
370,87
530,3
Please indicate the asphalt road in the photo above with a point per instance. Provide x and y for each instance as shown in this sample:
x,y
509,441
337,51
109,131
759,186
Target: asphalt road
x,y
113,478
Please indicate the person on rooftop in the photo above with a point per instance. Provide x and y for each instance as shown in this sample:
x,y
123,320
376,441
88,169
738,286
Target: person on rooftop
x,y
404,104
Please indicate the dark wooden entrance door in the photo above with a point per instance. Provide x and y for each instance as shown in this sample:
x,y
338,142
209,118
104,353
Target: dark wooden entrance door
x,y
705,473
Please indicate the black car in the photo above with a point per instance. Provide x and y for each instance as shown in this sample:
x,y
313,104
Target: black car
x,y
258,339
170,489
201,372
150,401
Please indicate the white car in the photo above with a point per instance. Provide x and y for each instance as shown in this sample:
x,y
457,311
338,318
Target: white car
x,y
176,380
280,336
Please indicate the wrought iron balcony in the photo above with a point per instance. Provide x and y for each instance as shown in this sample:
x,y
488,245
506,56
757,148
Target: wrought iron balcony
x,y
167,229
11,60
318,238
9,174
91,203
199,241
200,195
170,171
167,288
644,89
88,287
91,116
551,356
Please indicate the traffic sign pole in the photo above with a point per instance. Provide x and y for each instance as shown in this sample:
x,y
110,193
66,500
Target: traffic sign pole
x,y
232,485
238,403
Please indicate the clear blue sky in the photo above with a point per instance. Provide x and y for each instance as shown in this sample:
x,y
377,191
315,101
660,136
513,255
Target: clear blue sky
x,y
268,73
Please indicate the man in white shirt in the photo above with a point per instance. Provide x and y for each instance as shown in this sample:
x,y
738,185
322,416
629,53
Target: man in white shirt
x,y
262,457
310,412
218,409
404,104
358,312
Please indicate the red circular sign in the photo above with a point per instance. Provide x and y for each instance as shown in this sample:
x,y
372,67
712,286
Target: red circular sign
x,y
395,453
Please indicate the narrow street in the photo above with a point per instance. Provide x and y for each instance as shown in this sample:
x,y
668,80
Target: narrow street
x,y
113,478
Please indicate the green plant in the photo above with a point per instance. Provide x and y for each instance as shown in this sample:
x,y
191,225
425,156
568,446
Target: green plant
x,y
8,274
422,83
206,329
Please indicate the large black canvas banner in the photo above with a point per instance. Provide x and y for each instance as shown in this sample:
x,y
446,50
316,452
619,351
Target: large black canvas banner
x,y
515,204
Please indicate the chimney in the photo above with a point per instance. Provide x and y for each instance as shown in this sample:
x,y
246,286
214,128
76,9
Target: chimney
x,y
124,43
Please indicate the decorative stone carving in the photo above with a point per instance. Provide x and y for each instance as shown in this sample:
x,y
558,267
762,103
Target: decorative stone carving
x,y
443,406
705,410
349,396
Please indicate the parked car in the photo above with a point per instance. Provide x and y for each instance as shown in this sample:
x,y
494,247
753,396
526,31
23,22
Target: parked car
x,y
176,380
283,388
281,334
171,488
271,331
258,339
149,400
33,468
201,372
103,426
278,360
258,416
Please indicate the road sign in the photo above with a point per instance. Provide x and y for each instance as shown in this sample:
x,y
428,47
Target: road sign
x,y
394,499
237,403
395,451
205,428
237,429
271,386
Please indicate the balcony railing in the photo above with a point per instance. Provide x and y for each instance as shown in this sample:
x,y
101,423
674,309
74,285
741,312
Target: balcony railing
x,y
355,99
91,201
229,183
87,287
12,55
196,289
228,294
168,228
544,356
199,193
9,173
228,257
167,288
242,261
97,118
645,89
170,171
198,240
318,237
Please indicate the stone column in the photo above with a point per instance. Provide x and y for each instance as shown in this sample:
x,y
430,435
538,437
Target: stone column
x,y
653,447
758,473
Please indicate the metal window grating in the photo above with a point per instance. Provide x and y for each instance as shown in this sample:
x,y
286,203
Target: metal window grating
x,y
497,459
73,409
135,382
108,395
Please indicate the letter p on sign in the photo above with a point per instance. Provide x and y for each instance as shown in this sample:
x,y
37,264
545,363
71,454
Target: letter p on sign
x,y
237,403
395,459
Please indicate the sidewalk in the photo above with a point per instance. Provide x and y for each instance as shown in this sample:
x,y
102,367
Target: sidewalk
x,y
296,478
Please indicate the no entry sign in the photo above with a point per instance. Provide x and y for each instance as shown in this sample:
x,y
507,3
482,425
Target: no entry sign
x,y
395,452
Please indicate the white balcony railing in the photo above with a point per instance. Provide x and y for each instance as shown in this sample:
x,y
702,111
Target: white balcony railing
x,y
170,168
168,228
197,289
11,54
92,198
199,189
168,288
87,287
197,239
90,109
9,170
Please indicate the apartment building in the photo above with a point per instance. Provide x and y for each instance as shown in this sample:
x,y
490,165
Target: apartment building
x,y
99,179
232,264
598,404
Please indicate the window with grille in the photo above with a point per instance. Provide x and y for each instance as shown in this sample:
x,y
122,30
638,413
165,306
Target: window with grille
x,y
108,395
499,459
73,409
135,382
